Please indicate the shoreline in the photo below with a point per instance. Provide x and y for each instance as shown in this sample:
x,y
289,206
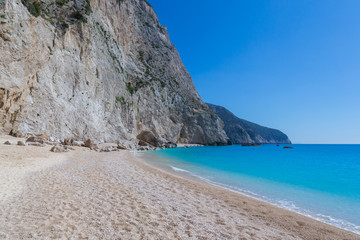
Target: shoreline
x,y
187,176
83,193
192,177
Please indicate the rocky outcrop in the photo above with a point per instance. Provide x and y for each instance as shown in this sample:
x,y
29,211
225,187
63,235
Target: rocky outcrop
x,y
59,148
104,70
240,131
148,138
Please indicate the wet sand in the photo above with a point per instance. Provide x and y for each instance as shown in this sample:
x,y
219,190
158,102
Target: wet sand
x,y
89,195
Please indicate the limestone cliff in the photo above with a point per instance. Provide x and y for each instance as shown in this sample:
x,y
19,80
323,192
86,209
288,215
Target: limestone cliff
x,y
100,69
240,131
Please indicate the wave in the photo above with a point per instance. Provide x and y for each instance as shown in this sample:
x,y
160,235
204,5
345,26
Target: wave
x,y
179,169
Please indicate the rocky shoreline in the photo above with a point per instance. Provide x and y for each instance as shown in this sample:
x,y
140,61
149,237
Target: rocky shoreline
x,y
146,140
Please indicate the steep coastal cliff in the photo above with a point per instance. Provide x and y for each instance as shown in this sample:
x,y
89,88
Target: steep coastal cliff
x,y
104,70
240,131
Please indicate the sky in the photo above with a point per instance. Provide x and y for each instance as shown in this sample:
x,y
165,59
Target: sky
x,y
293,65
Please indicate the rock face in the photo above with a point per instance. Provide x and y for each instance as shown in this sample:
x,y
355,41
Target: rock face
x,y
104,70
149,138
241,131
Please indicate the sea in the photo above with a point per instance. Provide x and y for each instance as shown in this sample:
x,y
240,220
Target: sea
x,y
318,181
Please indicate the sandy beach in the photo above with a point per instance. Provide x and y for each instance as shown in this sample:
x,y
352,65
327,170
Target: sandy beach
x,y
88,195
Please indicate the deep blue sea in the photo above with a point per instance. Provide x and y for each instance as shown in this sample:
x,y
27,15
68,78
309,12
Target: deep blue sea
x,y
320,181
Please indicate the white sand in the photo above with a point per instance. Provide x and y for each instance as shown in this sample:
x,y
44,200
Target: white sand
x,y
89,195
17,162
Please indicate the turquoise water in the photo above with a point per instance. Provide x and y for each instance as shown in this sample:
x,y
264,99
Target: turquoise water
x,y
320,181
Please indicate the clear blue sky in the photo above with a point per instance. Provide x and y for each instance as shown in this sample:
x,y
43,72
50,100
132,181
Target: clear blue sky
x,y
293,65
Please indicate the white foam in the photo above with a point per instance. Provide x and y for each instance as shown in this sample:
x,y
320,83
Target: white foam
x,y
179,169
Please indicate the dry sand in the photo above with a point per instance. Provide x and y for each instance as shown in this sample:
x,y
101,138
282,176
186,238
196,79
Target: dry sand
x,y
89,195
